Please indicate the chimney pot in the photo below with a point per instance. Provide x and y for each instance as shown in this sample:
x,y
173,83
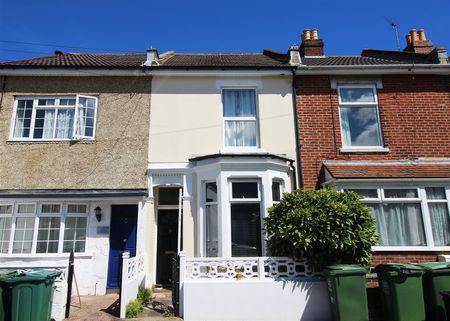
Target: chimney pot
x,y
314,34
413,34
408,39
306,34
422,34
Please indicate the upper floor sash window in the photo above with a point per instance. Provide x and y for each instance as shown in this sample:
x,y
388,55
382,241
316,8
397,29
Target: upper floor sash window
x,y
240,120
360,121
54,118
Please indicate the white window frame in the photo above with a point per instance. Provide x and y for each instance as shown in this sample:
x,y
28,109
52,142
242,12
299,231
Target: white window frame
x,y
255,119
63,225
37,214
55,107
205,203
281,183
350,148
11,215
258,200
40,215
421,199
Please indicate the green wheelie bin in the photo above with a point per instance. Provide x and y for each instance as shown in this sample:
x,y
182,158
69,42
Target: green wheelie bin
x,y
27,295
401,292
435,280
347,290
4,274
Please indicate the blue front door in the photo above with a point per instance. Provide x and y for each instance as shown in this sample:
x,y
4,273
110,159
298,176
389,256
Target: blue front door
x,y
122,237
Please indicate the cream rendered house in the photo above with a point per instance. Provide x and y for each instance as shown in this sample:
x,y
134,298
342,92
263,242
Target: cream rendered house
x,y
221,151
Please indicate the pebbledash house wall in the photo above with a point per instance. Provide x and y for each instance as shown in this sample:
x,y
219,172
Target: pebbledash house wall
x,y
115,160
415,120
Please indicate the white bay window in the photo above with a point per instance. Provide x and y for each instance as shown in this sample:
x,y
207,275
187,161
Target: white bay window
x,y
54,118
416,217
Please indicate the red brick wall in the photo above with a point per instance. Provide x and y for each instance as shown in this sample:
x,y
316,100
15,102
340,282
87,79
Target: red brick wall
x,y
404,257
414,112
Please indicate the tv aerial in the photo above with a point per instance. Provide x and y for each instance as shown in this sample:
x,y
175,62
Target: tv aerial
x,y
393,25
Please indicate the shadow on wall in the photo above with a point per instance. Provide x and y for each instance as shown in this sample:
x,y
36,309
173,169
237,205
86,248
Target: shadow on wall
x,y
316,306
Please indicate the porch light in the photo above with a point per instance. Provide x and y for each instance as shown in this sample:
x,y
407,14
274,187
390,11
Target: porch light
x,y
98,213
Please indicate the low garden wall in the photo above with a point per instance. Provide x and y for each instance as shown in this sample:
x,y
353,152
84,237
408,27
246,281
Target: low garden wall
x,y
256,288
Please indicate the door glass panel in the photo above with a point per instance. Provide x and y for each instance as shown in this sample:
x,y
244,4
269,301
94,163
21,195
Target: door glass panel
x,y
168,196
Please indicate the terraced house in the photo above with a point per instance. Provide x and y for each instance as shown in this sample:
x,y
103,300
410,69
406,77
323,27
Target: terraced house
x,y
379,124
74,150
176,157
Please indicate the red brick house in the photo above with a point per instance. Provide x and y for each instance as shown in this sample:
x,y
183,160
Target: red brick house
x,y
379,124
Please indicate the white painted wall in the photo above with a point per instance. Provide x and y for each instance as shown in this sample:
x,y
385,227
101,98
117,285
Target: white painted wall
x,y
186,116
91,267
267,300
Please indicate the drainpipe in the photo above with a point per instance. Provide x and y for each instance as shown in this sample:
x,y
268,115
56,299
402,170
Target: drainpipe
x,y
298,145
2,90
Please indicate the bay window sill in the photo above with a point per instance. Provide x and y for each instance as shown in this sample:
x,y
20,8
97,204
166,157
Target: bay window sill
x,y
364,150
30,257
50,141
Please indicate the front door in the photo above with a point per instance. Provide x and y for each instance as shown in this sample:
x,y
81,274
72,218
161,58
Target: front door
x,y
167,245
122,237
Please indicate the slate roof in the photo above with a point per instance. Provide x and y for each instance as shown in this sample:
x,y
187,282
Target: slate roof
x,y
221,60
136,60
358,61
81,60
267,59
388,170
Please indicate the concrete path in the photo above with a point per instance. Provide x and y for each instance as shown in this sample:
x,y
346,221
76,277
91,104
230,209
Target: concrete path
x,y
106,308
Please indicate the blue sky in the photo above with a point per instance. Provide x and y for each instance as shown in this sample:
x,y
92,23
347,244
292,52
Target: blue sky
x,y
212,26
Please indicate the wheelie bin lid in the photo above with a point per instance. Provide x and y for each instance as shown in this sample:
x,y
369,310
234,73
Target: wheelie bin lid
x,y
434,265
6,274
346,269
411,269
36,275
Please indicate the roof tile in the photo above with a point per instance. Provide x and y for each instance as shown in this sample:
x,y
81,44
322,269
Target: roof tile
x,y
388,170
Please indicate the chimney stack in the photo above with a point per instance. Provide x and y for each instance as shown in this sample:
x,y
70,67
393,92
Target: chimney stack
x,y
152,57
311,44
417,42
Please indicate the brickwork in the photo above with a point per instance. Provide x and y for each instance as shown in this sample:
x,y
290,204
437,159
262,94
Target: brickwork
x,y
404,257
415,120
414,114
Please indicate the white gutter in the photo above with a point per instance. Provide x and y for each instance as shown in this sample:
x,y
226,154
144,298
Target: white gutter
x,y
141,72
377,69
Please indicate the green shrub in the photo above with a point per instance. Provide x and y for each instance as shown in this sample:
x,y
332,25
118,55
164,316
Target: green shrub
x,y
323,226
145,296
134,308
168,312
